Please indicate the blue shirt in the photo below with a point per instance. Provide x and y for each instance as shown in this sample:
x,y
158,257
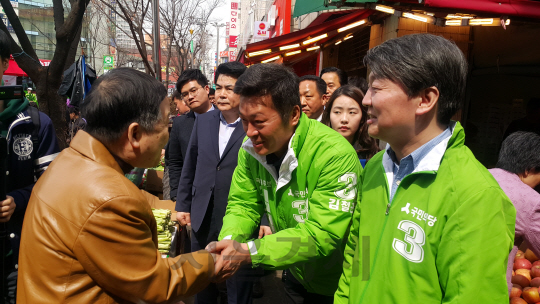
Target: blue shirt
x,y
407,164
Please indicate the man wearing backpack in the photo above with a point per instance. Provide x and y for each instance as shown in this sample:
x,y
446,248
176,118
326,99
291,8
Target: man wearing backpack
x,y
32,145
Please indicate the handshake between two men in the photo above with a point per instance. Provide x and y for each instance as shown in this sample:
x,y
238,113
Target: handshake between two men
x,y
228,255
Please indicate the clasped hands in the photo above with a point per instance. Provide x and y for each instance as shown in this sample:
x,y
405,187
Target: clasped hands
x,y
229,256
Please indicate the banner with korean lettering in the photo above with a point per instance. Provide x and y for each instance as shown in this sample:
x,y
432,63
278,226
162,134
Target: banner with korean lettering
x,y
232,55
261,29
233,41
227,28
233,20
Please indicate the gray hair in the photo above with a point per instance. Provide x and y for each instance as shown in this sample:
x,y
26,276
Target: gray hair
x,y
119,98
520,153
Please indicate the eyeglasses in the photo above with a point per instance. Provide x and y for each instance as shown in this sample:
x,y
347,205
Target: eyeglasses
x,y
191,92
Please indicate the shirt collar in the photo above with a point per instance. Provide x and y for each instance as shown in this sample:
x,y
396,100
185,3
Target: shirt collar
x,y
419,154
211,109
224,122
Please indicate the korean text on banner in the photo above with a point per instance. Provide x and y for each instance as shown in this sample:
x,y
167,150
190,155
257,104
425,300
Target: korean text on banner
x,y
233,20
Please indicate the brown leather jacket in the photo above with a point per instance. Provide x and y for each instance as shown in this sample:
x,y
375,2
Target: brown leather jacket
x,y
89,236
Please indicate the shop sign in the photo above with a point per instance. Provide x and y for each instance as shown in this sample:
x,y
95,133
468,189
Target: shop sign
x,y
261,29
6,22
108,61
233,41
233,20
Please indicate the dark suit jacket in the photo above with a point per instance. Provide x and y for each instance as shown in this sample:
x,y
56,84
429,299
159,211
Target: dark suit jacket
x,y
177,147
205,172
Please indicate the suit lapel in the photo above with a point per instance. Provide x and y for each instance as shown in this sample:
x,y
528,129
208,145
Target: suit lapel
x,y
237,134
214,132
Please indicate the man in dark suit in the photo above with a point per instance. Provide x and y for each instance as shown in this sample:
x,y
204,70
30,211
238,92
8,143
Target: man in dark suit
x,y
206,178
193,88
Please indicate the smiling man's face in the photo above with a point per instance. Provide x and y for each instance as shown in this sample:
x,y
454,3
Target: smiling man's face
x,y
264,126
391,114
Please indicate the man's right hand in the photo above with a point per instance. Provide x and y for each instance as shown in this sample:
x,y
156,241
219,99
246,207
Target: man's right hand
x,y
183,218
7,207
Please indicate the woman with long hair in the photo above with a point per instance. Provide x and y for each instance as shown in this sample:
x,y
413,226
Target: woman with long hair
x,y
345,113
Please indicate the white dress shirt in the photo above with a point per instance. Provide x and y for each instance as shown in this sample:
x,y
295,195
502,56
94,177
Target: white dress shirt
x,y
225,132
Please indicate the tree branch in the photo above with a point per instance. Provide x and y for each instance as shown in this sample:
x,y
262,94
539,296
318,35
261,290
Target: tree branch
x,y
19,31
58,12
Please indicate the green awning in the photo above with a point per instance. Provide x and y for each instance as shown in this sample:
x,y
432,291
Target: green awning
x,y
303,7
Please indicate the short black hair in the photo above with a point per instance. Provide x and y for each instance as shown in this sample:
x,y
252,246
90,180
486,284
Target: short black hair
x,y
119,98
5,45
419,61
276,80
321,84
359,82
232,68
190,75
176,95
212,91
520,153
342,75
73,110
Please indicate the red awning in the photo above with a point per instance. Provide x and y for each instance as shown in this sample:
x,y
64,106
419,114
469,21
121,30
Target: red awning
x,y
15,70
520,8
329,27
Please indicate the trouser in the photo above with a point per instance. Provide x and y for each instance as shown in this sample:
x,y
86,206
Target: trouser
x,y
237,289
166,186
10,282
298,293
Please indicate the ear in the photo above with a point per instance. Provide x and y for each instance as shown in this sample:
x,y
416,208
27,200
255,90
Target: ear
x,y
5,64
325,99
295,115
134,134
427,100
207,89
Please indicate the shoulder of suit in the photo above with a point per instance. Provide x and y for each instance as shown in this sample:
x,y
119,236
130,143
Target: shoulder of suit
x,y
179,120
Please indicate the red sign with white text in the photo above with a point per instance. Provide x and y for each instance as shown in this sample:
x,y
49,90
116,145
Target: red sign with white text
x,y
233,41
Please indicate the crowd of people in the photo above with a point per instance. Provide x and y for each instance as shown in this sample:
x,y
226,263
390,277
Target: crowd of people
x,y
276,172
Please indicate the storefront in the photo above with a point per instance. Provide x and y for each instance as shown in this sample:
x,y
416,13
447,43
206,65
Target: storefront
x,y
499,41
303,50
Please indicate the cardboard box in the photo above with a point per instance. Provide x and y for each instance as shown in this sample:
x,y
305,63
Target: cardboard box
x,y
154,181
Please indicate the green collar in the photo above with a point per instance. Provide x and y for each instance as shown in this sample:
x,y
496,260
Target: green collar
x,y
13,107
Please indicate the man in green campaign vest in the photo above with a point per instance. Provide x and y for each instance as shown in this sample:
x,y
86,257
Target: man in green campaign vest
x,y
302,173
431,224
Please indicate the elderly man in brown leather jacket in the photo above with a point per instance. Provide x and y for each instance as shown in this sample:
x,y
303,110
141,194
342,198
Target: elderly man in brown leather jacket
x,y
89,235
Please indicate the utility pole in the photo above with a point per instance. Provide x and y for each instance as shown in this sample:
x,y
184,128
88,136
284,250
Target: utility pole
x,y
157,45
217,45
